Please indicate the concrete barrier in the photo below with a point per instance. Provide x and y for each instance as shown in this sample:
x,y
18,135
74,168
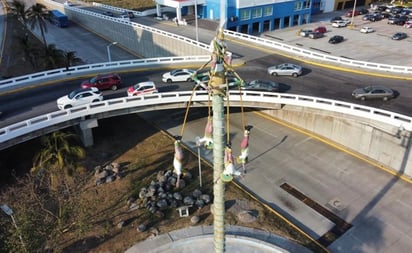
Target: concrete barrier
x,y
143,40
386,144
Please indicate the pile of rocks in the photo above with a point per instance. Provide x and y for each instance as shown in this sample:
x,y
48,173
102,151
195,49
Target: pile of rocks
x,y
107,174
162,194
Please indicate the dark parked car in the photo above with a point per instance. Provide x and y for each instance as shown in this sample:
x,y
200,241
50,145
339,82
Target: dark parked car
x,y
367,17
397,20
385,14
363,11
261,85
105,81
336,39
352,13
335,19
399,36
373,92
315,35
375,18
305,32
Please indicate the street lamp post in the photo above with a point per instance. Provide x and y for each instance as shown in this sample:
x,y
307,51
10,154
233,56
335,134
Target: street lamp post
x,y
197,32
108,50
7,210
353,14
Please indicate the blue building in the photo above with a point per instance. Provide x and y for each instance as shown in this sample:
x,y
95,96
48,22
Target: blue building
x,y
245,16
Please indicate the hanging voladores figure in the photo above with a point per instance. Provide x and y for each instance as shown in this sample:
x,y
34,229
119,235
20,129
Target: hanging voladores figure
x,y
178,159
229,172
244,149
207,139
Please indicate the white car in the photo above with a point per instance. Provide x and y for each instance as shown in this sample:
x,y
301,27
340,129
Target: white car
x,y
142,88
367,29
79,97
339,23
285,69
178,75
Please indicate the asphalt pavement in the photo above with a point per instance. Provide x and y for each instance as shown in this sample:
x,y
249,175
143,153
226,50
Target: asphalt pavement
x,y
378,209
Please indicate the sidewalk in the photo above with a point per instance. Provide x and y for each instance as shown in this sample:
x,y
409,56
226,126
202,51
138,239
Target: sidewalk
x,y
200,239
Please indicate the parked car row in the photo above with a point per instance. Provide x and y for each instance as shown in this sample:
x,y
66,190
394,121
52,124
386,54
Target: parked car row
x,y
395,15
316,33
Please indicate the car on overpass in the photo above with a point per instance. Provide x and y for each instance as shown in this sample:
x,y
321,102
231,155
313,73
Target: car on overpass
x,y
178,75
285,69
373,92
104,81
79,97
142,88
261,85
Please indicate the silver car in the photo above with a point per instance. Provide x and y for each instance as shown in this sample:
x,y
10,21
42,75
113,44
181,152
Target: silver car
x,y
261,85
285,69
373,92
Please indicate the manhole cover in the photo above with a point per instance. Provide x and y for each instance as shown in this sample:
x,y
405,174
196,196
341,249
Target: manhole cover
x,y
337,204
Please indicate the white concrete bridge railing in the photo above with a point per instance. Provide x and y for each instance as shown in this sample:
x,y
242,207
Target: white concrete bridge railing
x,y
249,98
338,121
79,71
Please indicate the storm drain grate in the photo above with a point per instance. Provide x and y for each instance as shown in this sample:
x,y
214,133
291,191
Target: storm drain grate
x,y
340,227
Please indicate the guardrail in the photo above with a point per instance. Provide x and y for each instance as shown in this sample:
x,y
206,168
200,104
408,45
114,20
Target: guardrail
x,y
174,98
78,71
306,53
319,56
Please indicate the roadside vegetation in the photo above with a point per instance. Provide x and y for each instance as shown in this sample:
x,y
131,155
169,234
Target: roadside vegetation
x,y
25,52
140,5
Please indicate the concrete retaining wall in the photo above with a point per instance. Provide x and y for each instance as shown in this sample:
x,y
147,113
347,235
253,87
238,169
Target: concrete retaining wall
x,y
144,43
387,145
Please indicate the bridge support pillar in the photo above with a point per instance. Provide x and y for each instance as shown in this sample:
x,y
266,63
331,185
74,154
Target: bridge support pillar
x,y
85,131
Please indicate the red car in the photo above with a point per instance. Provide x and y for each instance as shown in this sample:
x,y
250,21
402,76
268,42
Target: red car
x,y
320,29
354,13
143,88
102,82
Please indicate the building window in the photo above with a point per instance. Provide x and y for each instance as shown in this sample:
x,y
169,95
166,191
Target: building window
x,y
306,4
268,11
244,14
257,13
298,6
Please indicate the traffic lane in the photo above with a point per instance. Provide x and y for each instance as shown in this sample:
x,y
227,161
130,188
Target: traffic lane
x,y
332,84
32,102
280,155
314,82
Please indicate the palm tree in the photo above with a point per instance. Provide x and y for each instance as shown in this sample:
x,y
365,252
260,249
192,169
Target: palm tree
x,y
37,16
18,8
54,57
56,162
71,59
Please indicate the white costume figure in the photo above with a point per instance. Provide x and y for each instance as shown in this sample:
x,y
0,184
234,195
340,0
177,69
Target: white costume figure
x,y
178,160
229,164
244,150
